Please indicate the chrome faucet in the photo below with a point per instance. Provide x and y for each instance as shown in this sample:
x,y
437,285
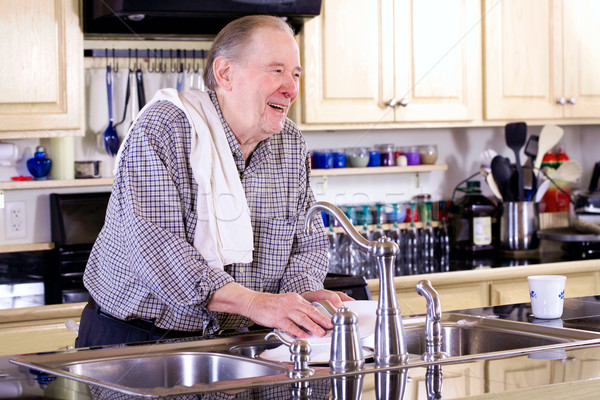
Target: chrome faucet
x,y
433,324
390,343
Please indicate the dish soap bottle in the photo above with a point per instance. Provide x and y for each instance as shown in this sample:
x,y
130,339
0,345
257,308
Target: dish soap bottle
x,y
471,221
39,166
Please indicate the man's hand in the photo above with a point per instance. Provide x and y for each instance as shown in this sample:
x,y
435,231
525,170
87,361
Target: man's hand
x,y
336,298
290,312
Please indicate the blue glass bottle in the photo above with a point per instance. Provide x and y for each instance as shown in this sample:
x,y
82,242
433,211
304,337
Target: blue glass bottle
x,y
39,166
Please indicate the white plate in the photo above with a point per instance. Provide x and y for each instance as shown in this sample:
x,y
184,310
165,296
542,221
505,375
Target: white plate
x,y
366,310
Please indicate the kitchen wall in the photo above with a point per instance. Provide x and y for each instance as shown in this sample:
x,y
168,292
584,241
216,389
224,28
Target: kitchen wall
x,y
459,148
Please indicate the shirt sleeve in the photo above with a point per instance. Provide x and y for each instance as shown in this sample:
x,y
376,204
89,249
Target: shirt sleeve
x,y
151,219
308,258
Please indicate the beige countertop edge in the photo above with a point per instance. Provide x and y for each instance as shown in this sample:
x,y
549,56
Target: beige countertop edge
x,y
491,274
48,312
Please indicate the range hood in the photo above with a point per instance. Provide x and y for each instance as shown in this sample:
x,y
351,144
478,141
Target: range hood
x,y
185,17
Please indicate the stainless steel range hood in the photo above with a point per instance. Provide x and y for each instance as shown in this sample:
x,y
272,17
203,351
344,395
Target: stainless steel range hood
x,y
185,17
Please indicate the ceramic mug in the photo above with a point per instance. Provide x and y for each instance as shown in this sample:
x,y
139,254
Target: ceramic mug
x,y
87,169
547,293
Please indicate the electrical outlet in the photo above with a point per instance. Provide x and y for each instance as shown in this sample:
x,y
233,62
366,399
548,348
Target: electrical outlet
x,y
15,226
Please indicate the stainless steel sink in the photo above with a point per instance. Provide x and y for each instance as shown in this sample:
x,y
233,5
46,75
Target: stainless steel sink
x,y
171,369
179,368
466,336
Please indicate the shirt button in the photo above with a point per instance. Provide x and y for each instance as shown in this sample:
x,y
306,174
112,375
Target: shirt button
x,y
242,269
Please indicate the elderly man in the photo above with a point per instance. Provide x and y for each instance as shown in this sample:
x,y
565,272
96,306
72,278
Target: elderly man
x,y
204,228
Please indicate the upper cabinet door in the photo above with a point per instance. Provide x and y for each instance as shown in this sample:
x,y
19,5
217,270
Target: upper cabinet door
x,y
541,59
581,26
437,64
348,61
523,60
41,67
423,56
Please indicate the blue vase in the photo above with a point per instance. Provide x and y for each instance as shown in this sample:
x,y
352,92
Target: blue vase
x,y
39,166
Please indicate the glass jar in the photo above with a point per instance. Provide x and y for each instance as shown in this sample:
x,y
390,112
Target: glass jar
x,y
413,157
388,158
374,158
357,157
428,154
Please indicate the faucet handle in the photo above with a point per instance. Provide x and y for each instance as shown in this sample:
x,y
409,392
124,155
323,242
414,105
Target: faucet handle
x,y
346,350
299,355
325,307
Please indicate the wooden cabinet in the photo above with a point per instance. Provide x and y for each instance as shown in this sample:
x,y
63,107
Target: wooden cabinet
x,y
540,59
502,375
41,69
358,56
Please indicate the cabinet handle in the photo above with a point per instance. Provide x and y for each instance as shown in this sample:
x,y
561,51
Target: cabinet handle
x,y
572,100
395,103
562,101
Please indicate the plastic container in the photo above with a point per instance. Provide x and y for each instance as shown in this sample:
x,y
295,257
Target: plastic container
x,y
339,158
472,218
388,159
322,159
374,158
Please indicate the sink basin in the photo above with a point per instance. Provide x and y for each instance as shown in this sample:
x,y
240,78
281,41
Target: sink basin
x,y
467,336
231,363
172,369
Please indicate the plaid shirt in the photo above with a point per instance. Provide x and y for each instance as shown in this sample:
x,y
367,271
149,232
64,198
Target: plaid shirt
x,y
143,264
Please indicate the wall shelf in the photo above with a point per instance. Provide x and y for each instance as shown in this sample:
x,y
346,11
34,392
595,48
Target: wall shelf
x,y
379,170
49,184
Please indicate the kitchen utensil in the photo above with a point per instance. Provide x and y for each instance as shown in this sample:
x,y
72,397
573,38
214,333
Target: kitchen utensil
x,y
516,135
139,77
489,178
485,159
127,94
549,137
568,171
595,177
541,190
502,173
531,150
111,138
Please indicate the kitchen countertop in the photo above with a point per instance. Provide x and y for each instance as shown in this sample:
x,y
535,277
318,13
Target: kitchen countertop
x,y
576,375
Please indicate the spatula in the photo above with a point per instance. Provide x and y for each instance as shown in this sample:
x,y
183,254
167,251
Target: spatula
x,y
549,137
516,135
502,173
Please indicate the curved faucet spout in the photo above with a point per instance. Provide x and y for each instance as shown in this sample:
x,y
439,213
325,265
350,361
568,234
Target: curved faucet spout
x,y
356,237
390,343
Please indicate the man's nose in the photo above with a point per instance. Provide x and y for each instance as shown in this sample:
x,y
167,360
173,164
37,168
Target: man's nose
x,y
289,86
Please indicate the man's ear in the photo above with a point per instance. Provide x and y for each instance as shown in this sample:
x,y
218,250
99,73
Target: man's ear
x,y
222,69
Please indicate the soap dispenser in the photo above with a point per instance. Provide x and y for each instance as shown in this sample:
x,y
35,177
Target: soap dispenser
x,y
39,166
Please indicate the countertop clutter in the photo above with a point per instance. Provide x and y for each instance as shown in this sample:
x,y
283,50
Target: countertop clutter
x,y
572,373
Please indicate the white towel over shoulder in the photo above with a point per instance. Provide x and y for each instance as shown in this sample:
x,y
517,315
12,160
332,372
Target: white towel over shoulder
x,y
223,231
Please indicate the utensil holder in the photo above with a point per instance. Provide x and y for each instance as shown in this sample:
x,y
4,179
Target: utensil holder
x,y
519,223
